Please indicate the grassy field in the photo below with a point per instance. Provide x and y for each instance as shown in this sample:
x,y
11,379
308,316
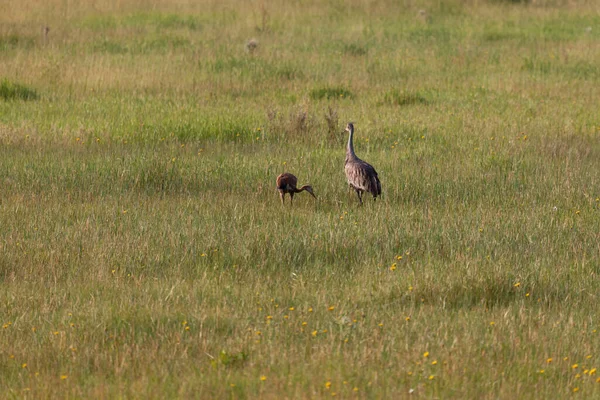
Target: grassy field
x,y
144,251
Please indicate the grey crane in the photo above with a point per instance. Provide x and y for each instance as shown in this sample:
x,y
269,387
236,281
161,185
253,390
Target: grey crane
x,y
361,175
286,183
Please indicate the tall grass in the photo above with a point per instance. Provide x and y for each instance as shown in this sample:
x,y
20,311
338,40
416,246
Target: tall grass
x,y
145,252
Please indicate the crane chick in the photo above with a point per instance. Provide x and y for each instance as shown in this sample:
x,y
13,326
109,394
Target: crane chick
x,y
361,175
286,183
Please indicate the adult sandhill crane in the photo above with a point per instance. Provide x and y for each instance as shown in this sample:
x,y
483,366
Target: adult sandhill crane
x,y
286,183
361,175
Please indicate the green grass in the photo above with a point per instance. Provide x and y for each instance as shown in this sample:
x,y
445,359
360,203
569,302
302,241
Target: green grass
x,y
145,252
401,98
329,93
15,91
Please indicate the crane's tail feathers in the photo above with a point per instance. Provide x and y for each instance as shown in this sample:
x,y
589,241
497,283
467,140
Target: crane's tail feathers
x,y
375,186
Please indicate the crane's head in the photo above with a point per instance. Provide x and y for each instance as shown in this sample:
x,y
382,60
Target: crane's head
x,y
309,189
349,127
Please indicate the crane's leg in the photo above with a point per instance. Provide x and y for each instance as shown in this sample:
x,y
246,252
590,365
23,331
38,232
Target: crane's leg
x,y
359,194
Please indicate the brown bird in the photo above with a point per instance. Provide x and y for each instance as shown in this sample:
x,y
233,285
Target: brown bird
x,y
361,175
286,183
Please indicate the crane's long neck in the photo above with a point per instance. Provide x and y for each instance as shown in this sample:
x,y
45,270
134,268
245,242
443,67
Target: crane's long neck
x,y
308,188
350,148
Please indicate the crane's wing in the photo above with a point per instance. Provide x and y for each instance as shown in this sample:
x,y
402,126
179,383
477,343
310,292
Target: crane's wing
x,y
286,180
362,176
